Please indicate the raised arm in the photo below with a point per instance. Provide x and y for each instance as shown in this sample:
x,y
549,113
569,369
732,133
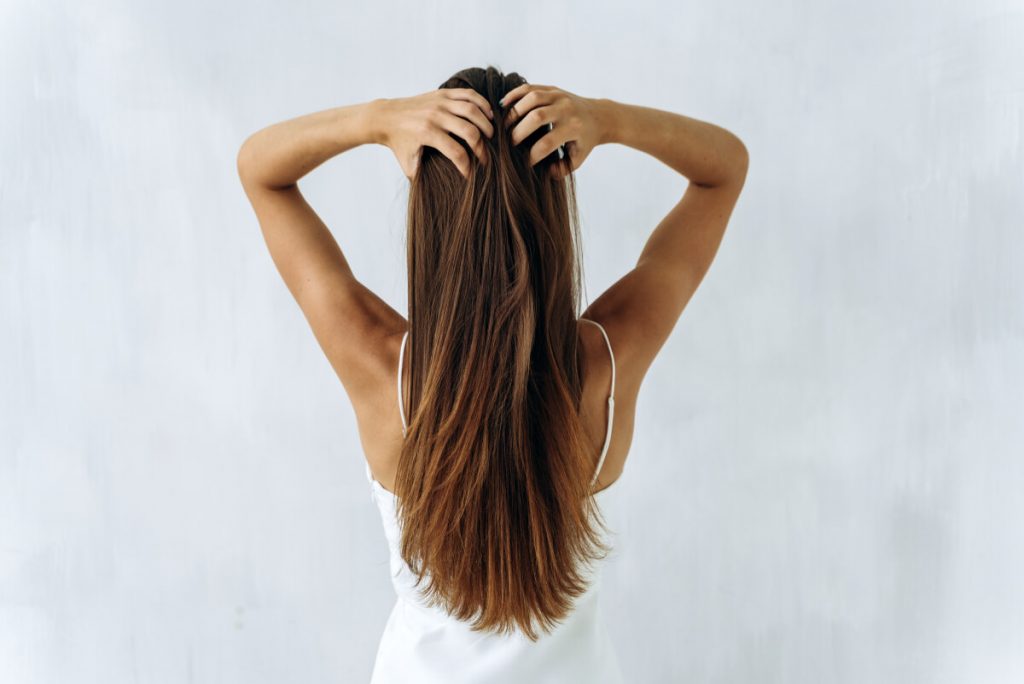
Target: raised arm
x,y
349,321
641,309
344,315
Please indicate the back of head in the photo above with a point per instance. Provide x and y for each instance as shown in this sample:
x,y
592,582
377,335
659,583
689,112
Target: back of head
x,y
493,480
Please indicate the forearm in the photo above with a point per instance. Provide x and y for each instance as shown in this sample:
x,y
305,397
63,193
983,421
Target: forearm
x,y
279,155
706,154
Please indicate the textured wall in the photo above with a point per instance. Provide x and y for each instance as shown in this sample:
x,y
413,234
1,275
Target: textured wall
x,y
825,479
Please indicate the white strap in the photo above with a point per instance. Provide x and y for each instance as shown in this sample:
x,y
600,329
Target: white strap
x,y
611,404
401,356
610,353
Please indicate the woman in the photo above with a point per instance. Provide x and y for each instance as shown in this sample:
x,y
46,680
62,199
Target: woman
x,y
488,419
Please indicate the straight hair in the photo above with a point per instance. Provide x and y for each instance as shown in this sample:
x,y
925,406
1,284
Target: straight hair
x,y
493,480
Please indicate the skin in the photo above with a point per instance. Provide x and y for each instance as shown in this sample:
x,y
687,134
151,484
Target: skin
x,y
360,333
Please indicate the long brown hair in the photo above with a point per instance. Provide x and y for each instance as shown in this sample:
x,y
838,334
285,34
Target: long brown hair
x,y
493,479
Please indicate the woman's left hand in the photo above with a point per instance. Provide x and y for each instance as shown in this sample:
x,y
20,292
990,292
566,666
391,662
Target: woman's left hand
x,y
408,124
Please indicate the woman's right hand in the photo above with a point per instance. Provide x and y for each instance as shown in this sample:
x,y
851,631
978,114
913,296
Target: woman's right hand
x,y
573,122
408,124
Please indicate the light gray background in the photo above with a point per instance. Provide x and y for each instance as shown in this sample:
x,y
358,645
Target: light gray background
x,y
825,481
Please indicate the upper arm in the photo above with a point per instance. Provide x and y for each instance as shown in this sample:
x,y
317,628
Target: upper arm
x,y
348,320
641,309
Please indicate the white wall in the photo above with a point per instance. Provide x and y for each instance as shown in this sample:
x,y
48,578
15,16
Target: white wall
x,y
825,478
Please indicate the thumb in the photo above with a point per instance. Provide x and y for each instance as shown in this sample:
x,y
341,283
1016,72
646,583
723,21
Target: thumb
x,y
413,163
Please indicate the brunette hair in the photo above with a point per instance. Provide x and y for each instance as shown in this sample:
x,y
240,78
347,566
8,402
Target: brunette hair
x,y
493,480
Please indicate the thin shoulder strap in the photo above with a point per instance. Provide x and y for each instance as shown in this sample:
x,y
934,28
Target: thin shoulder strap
x,y
401,356
611,403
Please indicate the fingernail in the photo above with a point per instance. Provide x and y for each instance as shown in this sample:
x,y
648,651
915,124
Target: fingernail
x,y
501,103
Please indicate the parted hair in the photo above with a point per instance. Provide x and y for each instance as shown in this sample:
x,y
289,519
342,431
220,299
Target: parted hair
x,y
493,479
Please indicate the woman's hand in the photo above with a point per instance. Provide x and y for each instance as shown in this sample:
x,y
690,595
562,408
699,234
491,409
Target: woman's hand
x,y
572,120
408,124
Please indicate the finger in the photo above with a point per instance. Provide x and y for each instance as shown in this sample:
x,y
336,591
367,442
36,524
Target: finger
x,y
513,95
470,95
415,163
467,131
546,145
567,163
517,111
525,127
571,158
447,146
468,110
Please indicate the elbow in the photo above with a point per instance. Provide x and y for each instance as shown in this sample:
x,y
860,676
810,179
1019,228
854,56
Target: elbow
x,y
742,156
740,162
253,169
243,161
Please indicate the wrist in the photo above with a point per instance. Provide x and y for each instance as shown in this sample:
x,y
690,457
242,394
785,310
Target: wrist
x,y
607,121
375,117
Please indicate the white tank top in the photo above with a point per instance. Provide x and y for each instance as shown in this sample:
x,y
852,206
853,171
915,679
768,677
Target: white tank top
x,y
423,644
